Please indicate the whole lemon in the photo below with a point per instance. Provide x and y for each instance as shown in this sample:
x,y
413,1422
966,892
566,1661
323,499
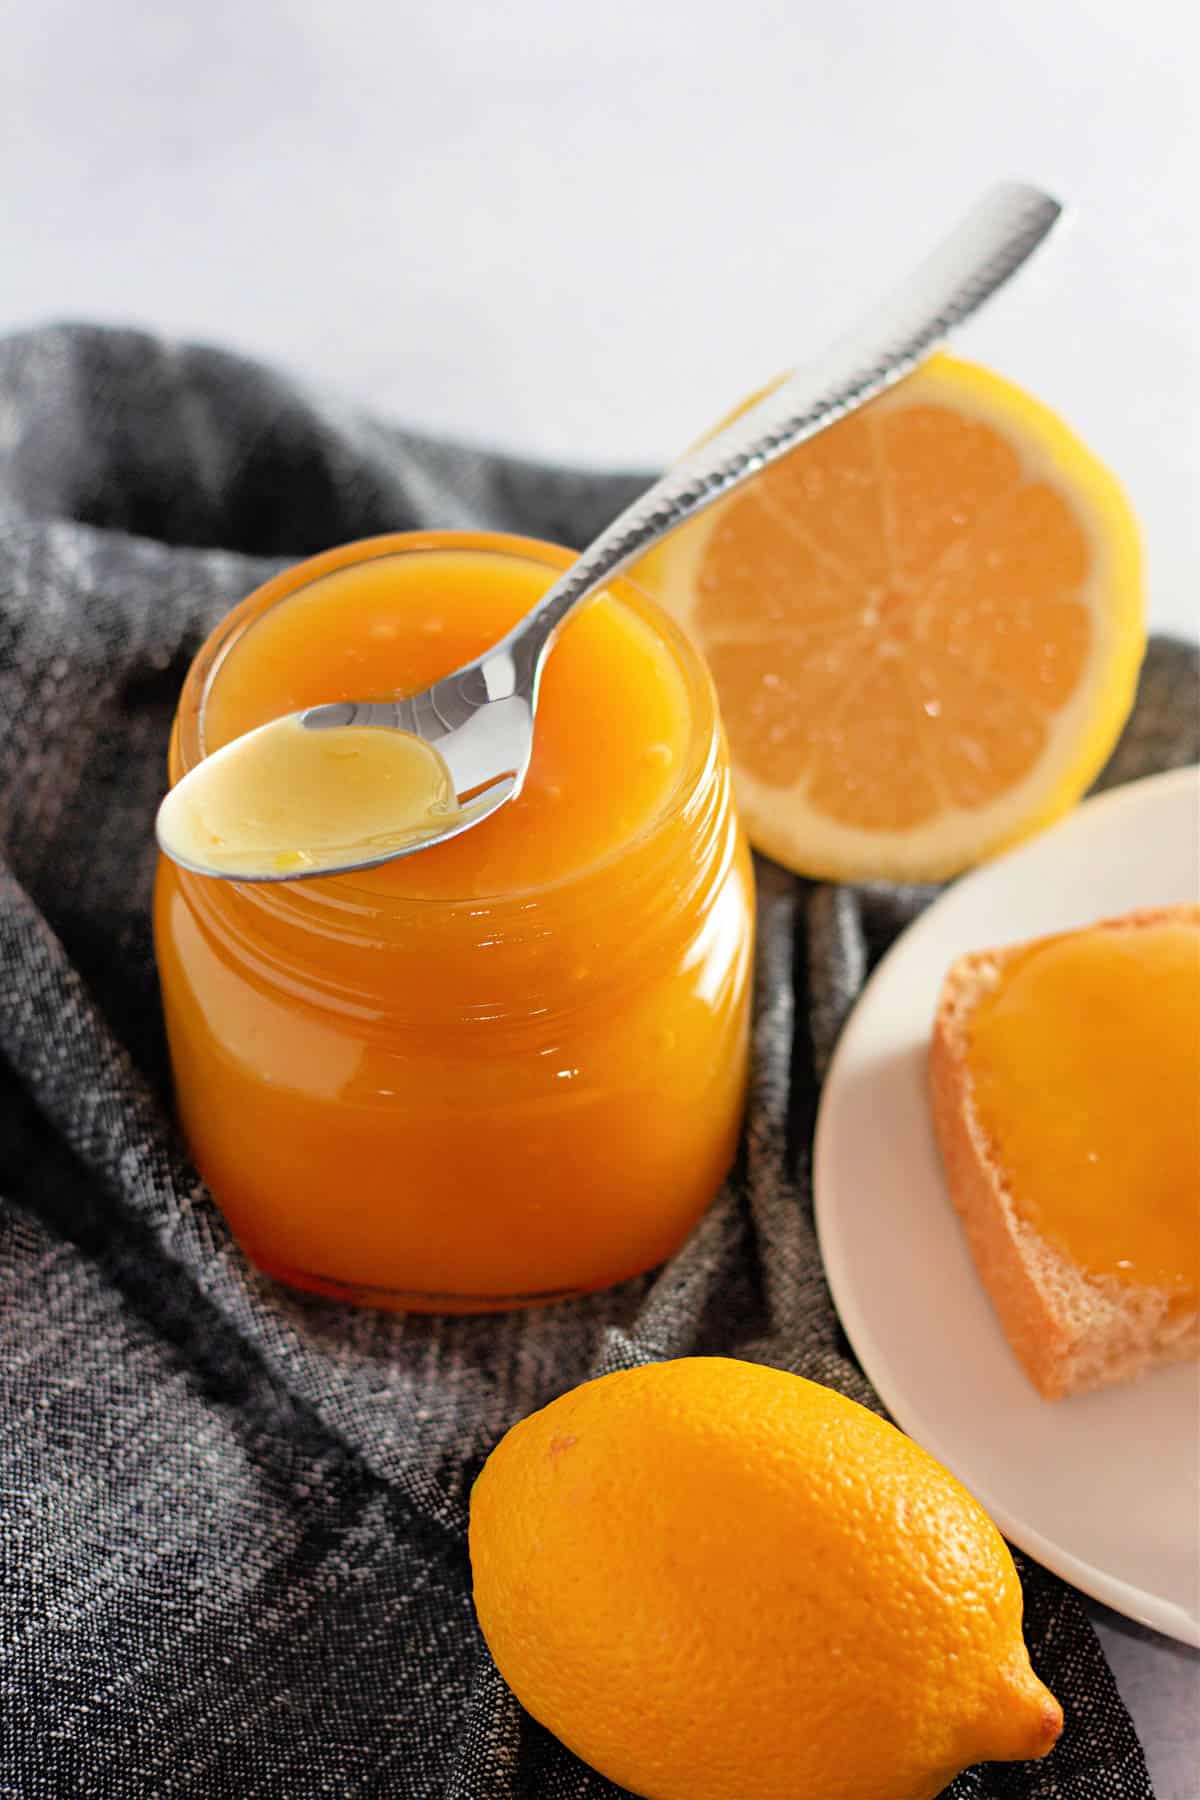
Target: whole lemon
x,y
716,1581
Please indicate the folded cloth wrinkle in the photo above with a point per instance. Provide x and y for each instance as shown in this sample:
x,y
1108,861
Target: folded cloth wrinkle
x,y
232,1519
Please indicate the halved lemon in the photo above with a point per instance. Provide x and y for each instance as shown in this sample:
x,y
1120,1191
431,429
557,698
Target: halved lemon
x,y
925,628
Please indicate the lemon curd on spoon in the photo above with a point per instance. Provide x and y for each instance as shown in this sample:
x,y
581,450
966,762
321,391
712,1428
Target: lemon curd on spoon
x,y
283,800
509,1067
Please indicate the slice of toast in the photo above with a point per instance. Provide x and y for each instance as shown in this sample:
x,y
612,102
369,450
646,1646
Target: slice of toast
x,y
1072,1330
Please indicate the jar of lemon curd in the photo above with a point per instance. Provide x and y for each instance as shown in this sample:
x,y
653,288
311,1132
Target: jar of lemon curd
x,y
507,1069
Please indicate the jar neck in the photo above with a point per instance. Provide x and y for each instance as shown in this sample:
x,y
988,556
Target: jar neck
x,y
560,947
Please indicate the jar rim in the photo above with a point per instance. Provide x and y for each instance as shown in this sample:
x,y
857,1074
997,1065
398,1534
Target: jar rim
x,y
344,894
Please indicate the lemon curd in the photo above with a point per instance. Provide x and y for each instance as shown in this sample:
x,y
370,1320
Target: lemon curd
x,y
510,1067
283,799
1086,1067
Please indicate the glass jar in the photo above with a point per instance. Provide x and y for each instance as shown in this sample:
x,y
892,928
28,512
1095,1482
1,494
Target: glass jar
x,y
463,1101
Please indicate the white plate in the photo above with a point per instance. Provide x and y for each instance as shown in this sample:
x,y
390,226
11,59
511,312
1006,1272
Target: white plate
x,y
1104,1488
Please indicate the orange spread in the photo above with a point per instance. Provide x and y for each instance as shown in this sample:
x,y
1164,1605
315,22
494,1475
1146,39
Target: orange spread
x,y
1086,1068
507,1067
283,799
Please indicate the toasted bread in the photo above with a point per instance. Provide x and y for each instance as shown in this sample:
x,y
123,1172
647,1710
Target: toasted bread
x,y
1071,1329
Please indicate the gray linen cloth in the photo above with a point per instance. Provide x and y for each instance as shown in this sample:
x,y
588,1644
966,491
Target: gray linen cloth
x,y
232,1544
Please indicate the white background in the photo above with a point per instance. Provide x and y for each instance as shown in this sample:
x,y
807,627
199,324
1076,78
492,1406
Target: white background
x,y
583,230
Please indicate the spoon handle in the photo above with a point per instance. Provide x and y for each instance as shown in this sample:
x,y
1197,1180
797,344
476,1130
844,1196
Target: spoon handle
x,y
999,233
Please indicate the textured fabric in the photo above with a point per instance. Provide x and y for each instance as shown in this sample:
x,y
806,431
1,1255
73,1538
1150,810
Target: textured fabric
x,y
233,1554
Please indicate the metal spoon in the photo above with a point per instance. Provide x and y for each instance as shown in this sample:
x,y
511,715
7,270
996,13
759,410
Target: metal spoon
x,y
480,719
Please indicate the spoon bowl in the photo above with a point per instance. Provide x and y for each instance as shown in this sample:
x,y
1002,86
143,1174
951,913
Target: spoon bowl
x,y
320,817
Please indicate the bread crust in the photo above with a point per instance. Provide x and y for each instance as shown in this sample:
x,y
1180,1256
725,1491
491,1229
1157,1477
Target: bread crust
x,y
1071,1331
